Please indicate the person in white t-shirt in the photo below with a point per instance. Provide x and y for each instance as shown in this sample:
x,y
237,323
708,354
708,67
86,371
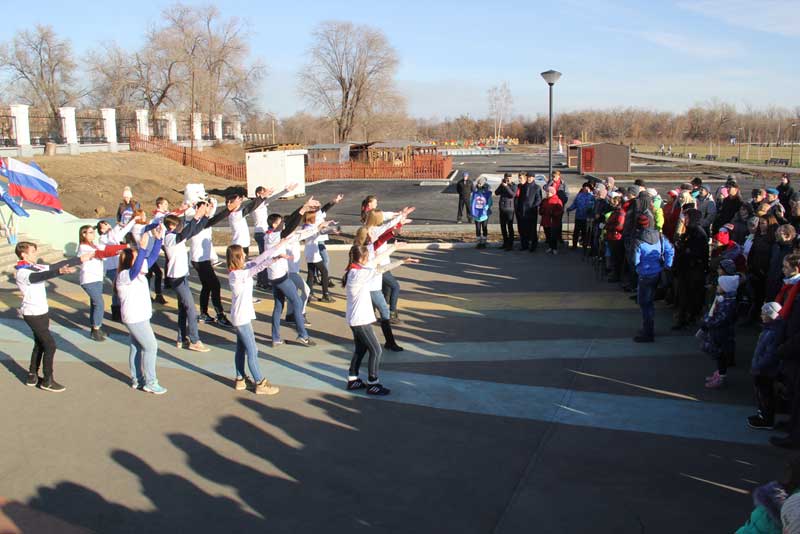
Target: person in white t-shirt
x,y
92,274
240,278
357,280
113,235
260,227
314,259
237,209
137,309
178,274
323,250
31,278
203,255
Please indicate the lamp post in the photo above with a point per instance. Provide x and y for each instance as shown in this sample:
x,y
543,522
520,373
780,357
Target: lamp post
x,y
791,150
739,144
551,77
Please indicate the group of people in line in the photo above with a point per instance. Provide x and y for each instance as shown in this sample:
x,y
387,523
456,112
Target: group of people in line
x,y
126,252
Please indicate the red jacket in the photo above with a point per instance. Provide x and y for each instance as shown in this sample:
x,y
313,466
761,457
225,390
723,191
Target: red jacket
x,y
671,218
614,225
551,210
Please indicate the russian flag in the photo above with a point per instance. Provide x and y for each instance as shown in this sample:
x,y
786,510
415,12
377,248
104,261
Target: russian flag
x,y
30,183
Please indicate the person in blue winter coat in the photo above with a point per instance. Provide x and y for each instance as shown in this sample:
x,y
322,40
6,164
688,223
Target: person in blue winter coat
x,y
480,205
583,206
765,365
652,253
719,328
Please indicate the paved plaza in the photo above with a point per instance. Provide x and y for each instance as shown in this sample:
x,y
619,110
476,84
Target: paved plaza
x,y
519,405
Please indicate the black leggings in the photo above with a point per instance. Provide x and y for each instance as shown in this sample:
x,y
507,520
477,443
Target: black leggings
x,y
765,396
44,346
210,286
481,226
579,233
156,272
507,226
323,271
365,340
551,236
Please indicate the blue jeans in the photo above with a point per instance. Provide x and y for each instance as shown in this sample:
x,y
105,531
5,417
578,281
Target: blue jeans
x,y
391,290
95,292
286,290
646,295
297,280
262,278
323,251
142,355
246,344
378,301
112,276
187,314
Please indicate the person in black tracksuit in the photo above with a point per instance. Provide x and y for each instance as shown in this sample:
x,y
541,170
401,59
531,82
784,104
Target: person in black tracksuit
x,y
529,196
464,188
507,193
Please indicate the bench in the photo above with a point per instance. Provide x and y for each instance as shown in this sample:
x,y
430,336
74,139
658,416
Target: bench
x,y
777,161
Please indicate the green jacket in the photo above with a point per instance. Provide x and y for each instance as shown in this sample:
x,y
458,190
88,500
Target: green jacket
x,y
765,518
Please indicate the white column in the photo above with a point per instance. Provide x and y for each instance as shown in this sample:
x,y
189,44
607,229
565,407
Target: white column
x,y
142,125
197,126
70,131
172,127
237,130
110,127
22,128
218,127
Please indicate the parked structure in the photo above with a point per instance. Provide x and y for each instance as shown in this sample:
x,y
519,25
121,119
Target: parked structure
x,y
599,157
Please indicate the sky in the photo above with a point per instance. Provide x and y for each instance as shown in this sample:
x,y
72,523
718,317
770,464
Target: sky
x,y
612,53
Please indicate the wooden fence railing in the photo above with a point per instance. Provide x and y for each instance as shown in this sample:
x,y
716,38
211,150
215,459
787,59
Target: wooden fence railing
x,y
420,167
188,158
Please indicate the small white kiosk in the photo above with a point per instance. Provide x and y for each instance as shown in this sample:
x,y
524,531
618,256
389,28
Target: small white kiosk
x,y
275,169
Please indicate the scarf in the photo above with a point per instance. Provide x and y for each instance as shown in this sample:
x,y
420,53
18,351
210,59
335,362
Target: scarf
x,y
787,295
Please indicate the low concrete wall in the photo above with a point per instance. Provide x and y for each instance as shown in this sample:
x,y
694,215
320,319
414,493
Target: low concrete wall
x,y
16,152
59,230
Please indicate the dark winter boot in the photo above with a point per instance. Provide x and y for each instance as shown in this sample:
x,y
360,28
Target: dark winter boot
x,y
391,344
116,314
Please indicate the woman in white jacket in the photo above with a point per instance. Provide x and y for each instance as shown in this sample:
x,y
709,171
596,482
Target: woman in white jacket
x,y
358,278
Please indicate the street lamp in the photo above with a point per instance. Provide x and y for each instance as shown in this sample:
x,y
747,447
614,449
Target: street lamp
x,y
739,143
791,150
551,77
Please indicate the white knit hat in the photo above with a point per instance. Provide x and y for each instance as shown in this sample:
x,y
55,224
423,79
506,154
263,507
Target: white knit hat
x,y
771,309
652,192
729,284
790,514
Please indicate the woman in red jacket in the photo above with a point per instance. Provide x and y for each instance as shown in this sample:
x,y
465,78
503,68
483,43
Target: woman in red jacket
x,y
551,211
613,227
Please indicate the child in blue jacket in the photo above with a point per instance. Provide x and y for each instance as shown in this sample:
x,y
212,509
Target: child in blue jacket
x,y
480,205
765,366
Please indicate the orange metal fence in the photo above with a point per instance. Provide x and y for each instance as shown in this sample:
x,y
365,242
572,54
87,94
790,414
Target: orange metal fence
x,y
420,167
188,158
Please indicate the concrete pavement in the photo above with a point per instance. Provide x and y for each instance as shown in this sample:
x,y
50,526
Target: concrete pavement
x,y
518,403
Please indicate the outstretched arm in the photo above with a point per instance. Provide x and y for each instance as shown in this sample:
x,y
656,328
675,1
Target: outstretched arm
x,y
54,270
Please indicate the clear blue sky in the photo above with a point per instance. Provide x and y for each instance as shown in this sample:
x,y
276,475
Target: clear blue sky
x,y
664,55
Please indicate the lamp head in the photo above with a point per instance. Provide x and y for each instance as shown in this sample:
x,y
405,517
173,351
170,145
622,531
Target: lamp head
x,y
551,76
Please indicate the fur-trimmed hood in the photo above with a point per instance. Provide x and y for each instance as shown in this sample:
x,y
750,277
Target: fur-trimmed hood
x,y
771,496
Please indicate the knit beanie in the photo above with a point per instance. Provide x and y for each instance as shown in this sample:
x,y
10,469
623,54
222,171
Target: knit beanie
x,y
633,190
600,188
771,309
652,192
773,191
729,284
728,267
723,237
790,514
551,190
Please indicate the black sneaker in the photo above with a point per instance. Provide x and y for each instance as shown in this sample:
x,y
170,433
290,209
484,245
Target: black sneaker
x,y
393,347
97,334
758,422
312,298
377,389
52,385
206,318
33,380
306,342
223,321
327,299
160,298
355,384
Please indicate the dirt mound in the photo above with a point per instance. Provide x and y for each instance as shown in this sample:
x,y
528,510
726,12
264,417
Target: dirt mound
x,y
90,185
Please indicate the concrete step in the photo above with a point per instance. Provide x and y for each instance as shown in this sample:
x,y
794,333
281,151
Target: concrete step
x,y
8,258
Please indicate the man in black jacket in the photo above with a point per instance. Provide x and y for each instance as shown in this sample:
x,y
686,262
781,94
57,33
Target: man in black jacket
x,y
529,197
507,193
464,188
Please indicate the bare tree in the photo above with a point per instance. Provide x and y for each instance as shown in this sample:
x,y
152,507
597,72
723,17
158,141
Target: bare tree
x,y
112,74
500,102
348,67
45,65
